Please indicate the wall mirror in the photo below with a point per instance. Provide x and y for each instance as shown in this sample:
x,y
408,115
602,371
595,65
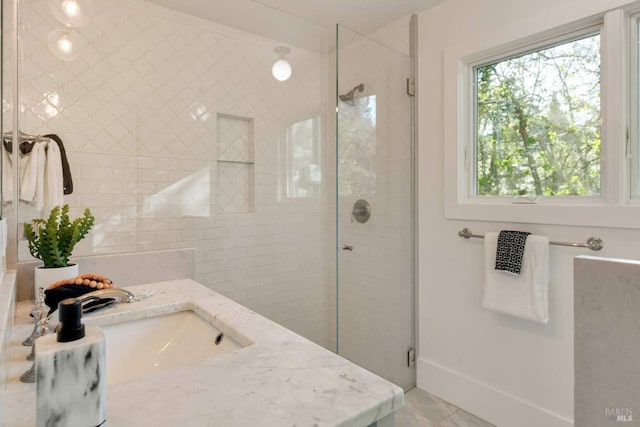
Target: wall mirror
x,y
165,153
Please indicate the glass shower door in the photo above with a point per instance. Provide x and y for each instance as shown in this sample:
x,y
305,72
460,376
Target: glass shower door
x,y
375,274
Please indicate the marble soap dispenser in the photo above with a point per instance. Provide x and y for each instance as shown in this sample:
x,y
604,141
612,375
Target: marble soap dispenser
x,y
70,369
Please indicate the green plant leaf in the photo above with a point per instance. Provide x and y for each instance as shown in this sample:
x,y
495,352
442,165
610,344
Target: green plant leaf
x,y
52,240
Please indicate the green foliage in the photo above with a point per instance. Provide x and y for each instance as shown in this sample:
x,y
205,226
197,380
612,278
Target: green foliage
x,y
357,146
53,239
538,122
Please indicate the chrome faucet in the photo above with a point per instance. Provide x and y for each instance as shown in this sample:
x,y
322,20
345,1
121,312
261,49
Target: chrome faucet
x,y
40,315
41,327
109,296
116,293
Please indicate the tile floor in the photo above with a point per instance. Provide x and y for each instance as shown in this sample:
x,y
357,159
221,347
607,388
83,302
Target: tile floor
x,y
422,409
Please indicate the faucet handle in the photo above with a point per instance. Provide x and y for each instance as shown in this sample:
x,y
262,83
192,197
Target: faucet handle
x,y
43,322
40,314
40,299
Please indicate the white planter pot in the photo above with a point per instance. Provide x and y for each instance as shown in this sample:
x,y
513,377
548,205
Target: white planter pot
x,y
43,277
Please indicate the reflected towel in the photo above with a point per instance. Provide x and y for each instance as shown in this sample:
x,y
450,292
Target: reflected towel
x,y
53,179
32,183
7,175
525,296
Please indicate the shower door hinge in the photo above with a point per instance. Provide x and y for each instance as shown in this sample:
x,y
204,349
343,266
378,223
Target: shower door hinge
x,y
411,357
411,87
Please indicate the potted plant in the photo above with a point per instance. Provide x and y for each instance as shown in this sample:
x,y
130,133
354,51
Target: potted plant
x,y
52,241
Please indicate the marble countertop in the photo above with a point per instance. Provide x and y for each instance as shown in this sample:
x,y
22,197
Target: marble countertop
x,y
7,296
278,379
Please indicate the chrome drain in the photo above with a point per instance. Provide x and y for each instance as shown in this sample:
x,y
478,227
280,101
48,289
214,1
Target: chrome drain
x,y
219,338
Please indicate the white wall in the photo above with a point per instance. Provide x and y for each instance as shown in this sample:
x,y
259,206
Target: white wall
x,y
508,371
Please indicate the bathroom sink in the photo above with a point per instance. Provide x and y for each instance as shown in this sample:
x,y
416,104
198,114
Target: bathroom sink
x,y
140,347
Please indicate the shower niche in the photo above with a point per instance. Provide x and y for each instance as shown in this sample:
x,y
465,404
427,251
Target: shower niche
x,y
235,164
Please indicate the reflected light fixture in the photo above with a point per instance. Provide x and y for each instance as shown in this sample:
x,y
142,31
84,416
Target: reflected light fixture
x,y
72,13
281,70
71,8
65,43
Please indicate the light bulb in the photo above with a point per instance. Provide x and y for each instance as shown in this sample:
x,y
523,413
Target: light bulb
x,y
281,70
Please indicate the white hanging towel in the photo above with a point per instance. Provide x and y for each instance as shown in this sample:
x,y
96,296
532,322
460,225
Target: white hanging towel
x,y
525,295
53,178
7,176
32,183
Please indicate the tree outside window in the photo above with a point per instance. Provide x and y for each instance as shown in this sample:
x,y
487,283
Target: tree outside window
x,y
303,160
538,122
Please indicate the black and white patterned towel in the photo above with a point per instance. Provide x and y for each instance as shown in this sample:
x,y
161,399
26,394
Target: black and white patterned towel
x,y
510,250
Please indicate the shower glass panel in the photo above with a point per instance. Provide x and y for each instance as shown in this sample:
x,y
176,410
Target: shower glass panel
x,y
375,280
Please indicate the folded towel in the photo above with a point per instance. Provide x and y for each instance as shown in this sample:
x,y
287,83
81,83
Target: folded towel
x,y
510,250
525,295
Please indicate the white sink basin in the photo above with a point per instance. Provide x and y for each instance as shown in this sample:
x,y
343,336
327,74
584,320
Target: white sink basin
x,y
149,345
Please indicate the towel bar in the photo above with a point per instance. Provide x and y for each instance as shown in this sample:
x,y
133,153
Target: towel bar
x,y
593,243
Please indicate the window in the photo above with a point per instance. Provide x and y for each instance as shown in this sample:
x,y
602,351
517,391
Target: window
x,y
537,122
301,150
357,122
543,128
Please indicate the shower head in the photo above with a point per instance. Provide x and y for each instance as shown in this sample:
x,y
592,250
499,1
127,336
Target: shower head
x,y
348,97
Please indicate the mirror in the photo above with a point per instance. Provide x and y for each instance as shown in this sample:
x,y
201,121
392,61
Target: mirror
x,y
170,123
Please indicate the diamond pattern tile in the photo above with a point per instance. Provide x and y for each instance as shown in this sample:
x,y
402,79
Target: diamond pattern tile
x,y
234,188
234,139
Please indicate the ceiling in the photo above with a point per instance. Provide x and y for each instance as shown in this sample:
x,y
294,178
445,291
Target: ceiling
x,y
363,16
302,23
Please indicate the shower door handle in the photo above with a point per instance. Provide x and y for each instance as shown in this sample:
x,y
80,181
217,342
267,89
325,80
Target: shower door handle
x,y
347,248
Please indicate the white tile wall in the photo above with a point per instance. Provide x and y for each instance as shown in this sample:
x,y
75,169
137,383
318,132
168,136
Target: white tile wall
x,y
235,188
236,181
137,112
235,139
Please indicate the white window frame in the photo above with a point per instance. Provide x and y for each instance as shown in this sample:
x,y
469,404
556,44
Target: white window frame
x,y
613,207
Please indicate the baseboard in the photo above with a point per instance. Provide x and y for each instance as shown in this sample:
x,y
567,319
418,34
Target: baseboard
x,y
484,401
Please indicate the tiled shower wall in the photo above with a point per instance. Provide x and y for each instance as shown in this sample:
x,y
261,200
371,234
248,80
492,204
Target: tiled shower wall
x,y
138,108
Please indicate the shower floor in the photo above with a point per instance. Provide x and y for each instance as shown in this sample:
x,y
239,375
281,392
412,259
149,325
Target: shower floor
x,y
422,409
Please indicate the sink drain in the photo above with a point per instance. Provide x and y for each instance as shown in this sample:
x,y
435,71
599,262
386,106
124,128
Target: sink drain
x,y
219,338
